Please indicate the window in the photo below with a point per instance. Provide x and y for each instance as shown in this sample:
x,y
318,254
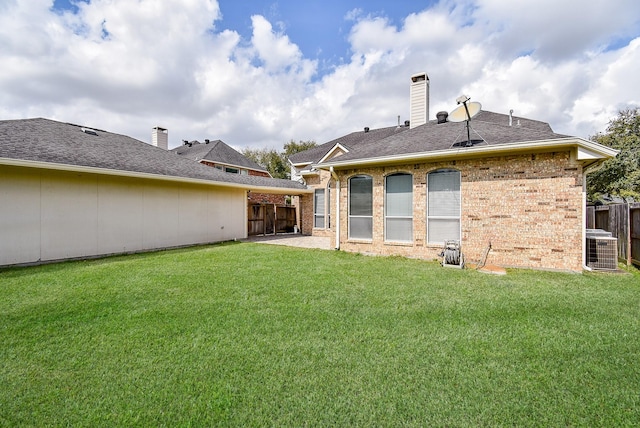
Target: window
x,y
398,204
361,207
231,170
443,206
318,208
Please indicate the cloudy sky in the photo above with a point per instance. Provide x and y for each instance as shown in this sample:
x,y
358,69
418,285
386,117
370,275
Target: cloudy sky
x,y
261,73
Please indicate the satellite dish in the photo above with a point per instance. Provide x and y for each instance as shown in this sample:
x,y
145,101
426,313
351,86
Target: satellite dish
x,y
459,114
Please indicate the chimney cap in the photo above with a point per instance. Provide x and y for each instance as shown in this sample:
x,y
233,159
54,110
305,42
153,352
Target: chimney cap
x,y
419,77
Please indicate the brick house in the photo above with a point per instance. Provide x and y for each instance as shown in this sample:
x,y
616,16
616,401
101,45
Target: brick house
x,y
217,154
511,183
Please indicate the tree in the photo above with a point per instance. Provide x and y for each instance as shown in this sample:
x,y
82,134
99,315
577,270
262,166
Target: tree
x,y
292,147
619,176
270,160
277,163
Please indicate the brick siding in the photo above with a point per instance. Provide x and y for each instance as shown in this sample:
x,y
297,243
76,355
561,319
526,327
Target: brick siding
x,y
529,207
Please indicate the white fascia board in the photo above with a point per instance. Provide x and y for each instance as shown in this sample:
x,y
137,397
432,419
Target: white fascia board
x,y
299,164
338,146
593,148
202,161
144,175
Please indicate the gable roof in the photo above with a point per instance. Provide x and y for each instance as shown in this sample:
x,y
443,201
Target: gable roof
x,y
49,144
350,142
219,152
490,134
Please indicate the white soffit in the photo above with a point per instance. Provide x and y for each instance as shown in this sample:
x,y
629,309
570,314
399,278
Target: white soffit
x,y
586,154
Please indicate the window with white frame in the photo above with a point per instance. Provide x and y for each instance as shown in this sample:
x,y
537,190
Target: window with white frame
x,y
443,206
398,208
318,208
361,207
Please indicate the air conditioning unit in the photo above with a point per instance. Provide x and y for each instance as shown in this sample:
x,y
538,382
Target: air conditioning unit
x,y
602,250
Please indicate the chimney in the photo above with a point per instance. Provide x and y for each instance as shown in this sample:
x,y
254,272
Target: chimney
x,y
160,138
419,100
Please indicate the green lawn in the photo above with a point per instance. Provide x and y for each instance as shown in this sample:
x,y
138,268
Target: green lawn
x,y
260,335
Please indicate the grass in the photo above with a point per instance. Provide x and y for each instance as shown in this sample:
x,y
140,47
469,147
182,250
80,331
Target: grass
x,y
260,335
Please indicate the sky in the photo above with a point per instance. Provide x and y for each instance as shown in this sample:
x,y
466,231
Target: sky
x,y
258,74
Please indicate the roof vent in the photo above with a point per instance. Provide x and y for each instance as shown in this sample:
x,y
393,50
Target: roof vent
x,y
89,131
366,129
407,123
206,141
442,116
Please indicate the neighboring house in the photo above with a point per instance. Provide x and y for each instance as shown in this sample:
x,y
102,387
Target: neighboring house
x,y
223,157
68,191
515,185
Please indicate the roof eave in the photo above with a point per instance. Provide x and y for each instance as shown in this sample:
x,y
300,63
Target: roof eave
x,y
149,176
598,151
329,154
248,168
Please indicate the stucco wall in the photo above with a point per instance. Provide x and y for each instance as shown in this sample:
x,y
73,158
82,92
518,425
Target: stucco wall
x,y
530,207
51,215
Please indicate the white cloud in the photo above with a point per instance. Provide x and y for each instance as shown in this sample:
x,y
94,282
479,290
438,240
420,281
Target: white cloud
x,y
127,66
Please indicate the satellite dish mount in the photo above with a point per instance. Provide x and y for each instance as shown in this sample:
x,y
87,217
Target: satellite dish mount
x,y
465,112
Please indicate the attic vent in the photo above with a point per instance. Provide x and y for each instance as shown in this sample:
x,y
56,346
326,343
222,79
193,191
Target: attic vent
x,y
442,116
206,141
89,131
366,129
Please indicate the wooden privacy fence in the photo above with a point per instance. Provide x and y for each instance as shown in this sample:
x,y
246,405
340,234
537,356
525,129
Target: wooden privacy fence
x,y
623,221
269,219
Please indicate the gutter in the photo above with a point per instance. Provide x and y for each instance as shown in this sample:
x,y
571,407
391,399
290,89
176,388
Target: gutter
x,y
475,151
335,177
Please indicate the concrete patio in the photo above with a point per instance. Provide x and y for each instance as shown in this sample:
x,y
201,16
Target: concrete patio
x,y
293,240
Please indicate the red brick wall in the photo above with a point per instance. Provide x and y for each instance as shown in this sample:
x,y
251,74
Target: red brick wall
x,y
266,198
530,207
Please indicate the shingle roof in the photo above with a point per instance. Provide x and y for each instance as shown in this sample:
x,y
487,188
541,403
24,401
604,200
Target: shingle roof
x,y
350,141
487,128
217,151
49,141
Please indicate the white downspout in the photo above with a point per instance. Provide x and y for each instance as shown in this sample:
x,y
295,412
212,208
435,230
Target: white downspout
x,y
335,177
